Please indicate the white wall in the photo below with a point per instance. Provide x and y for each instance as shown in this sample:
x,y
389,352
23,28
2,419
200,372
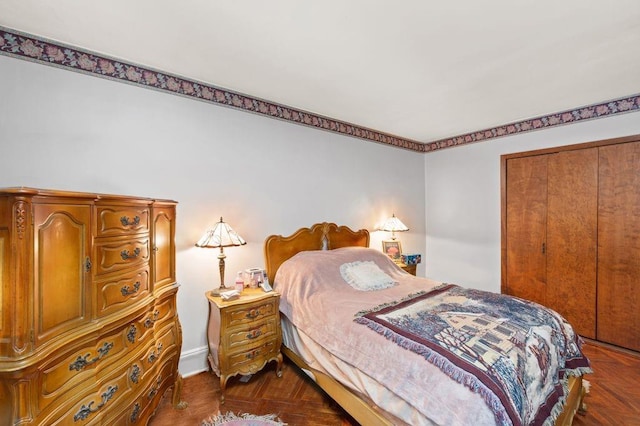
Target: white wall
x,y
463,198
64,130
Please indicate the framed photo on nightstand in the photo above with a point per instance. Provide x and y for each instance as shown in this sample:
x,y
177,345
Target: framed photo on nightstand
x,y
392,248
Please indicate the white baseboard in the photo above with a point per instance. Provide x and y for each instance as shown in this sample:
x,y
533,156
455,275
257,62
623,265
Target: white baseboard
x,y
193,362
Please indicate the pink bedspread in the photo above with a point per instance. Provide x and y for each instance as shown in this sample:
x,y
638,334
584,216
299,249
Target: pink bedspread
x,y
316,299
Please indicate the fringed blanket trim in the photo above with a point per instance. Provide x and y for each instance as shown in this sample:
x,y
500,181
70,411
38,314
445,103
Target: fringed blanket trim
x,y
407,298
421,325
248,419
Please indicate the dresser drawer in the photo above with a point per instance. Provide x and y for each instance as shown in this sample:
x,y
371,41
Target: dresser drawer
x,y
118,255
253,359
162,346
143,404
90,359
118,292
250,312
119,220
164,313
86,403
250,334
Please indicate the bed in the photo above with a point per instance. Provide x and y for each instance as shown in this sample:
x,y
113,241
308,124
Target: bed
x,y
355,339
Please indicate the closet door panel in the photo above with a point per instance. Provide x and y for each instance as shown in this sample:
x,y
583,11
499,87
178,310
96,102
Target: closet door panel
x,y
619,245
571,237
526,191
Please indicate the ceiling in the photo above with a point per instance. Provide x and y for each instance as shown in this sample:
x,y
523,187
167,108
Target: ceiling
x,y
418,69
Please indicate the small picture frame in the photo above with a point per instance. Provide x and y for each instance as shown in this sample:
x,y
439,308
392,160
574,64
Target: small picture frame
x,y
393,249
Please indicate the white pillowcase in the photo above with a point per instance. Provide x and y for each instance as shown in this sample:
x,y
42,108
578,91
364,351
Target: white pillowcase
x,y
365,276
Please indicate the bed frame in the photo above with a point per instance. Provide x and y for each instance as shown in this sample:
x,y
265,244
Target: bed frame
x,y
329,236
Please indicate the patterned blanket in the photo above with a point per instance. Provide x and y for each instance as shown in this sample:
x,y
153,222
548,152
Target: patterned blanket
x,y
516,354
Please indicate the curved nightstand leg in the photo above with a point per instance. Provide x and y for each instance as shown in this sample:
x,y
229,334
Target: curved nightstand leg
x,y
279,368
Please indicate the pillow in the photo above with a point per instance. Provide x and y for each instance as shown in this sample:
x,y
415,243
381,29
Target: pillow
x,y
365,276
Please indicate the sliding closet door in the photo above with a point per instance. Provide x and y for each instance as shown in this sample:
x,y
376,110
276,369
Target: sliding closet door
x,y
571,237
619,245
526,224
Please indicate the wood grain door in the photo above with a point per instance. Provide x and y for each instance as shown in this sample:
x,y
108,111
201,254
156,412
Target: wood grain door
x,y
619,245
526,228
163,240
571,237
62,241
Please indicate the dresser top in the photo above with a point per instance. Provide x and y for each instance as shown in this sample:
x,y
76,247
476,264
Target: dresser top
x,y
27,191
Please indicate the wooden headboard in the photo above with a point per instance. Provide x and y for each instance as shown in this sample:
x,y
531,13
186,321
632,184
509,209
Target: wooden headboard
x,y
321,236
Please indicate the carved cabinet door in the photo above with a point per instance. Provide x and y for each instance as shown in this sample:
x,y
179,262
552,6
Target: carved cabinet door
x,y
163,236
61,268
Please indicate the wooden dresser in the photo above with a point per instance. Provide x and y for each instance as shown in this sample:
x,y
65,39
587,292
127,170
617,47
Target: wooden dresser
x,y
244,334
89,331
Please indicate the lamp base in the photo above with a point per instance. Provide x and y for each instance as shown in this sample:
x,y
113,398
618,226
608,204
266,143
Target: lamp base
x,y
216,291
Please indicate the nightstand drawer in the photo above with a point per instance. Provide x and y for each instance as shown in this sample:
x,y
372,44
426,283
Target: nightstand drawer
x,y
250,334
252,360
250,312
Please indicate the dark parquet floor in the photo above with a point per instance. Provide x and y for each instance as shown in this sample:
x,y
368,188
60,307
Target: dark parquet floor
x,y
614,398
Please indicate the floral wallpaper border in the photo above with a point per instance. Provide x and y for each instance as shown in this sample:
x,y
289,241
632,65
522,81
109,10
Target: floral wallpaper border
x,y
617,106
40,50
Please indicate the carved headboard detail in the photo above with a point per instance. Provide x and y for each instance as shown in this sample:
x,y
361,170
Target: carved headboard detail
x,y
321,236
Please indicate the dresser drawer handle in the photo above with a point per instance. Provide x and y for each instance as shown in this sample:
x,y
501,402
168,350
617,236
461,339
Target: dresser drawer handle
x,y
131,334
254,353
128,291
254,334
82,361
254,313
86,410
126,255
135,413
148,323
154,390
153,356
124,220
135,374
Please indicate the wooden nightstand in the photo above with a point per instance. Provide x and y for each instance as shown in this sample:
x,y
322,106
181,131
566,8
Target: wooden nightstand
x,y
244,334
408,268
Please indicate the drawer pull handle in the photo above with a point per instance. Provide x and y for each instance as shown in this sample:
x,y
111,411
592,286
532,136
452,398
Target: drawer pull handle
x,y
135,413
135,374
125,255
82,361
148,323
124,220
131,334
127,291
86,410
253,354
153,356
254,334
254,313
154,390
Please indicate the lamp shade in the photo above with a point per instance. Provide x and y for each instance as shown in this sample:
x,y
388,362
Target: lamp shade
x,y
221,235
393,224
